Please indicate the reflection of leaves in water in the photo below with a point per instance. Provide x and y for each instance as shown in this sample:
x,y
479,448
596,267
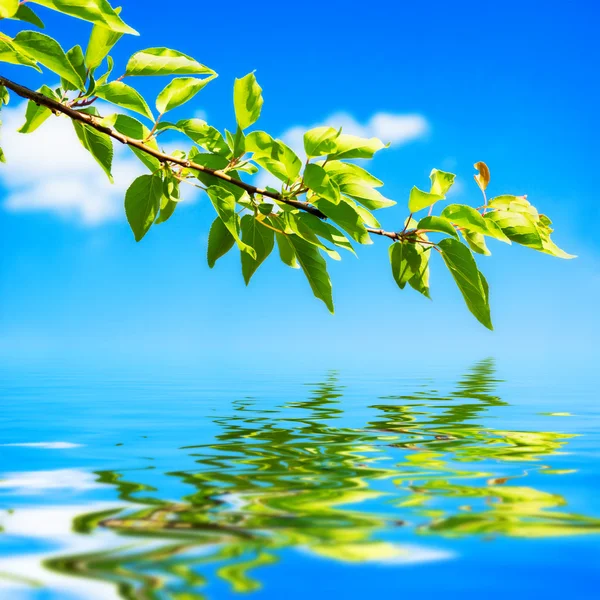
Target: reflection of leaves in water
x,y
293,478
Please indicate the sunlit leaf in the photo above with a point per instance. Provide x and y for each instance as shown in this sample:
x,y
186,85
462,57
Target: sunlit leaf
x,y
169,201
259,237
350,146
164,61
11,53
347,217
132,128
313,264
96,11
123,95
204,135
224,203
48,52
320,141
220,241
476,242
441,182
102,40
8,8
316,178
178,92
405,260
418,199
518,227
36,114
470,219
462,266
25,14
98,144
438,224
142,203
343,172
247,100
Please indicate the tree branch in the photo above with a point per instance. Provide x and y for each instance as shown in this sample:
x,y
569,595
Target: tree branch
x,y
94,122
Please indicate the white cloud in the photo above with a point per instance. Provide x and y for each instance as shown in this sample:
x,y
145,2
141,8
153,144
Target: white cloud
x,y
49,171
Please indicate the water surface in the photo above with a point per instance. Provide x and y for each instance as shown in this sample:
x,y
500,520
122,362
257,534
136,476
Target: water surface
x,y
329,485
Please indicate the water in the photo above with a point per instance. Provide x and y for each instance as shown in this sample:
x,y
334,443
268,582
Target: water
x,y
328,485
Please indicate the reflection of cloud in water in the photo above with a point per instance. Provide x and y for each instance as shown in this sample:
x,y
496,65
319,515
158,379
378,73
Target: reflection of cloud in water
x,y
36,482
52,524
44,445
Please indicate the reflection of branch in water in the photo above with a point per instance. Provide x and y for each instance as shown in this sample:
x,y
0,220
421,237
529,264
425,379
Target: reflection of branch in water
x,y
294,478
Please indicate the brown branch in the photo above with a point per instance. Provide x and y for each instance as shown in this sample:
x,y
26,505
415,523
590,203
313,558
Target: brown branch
x,y
94,122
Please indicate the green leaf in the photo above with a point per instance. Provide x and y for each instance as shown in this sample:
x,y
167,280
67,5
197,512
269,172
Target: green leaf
x,y
99,145
347,217
169,200
220,242
25,14
326,231
351,146
514,204
320,141
204,135
294,223
441,182
274,156
315,269
95,11
36,114
418,199
224,203
470,219
104,78
420,280
367,196
368,218
77,60
318,181
100,44
142,203
8,8
439,224
178,92
286,249
164,61
4,96
342,172
123,95
237,142
549,247
247,100
518,227
132,128
10,53
470,282
405,259
48,52
259,237
476,242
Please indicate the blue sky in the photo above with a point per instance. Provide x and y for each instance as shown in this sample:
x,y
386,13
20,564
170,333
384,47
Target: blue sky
x,y
513,84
